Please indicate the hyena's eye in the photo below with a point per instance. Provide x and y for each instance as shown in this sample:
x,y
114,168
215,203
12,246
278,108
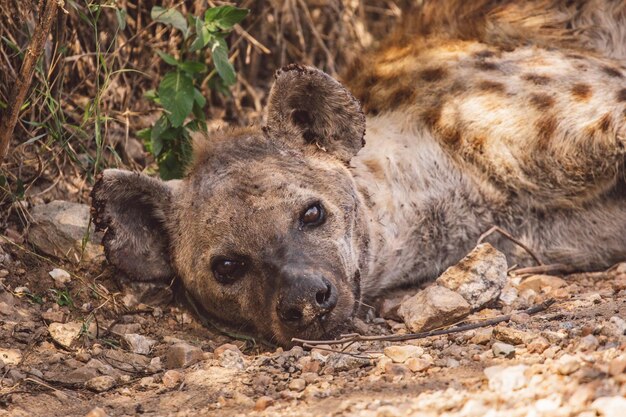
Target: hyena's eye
x,y
313,215
227,271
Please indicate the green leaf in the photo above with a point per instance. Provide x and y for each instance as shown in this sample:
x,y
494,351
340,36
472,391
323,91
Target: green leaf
x,y
225,17
202,36
150,94
169,59
144,134
176,94
170,17
219,53
156,139
193,67
121,18
199,98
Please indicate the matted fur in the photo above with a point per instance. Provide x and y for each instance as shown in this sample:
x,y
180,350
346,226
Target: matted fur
x,y
478,113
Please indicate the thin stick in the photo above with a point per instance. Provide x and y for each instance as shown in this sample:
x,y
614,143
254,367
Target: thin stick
x,y
544,269
413,336
511,238
48,11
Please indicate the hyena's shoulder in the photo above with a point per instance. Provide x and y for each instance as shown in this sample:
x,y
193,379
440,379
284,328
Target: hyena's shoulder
x,y
532,120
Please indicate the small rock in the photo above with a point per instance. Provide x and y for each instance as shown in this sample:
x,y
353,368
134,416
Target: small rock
x,y
506,379
340,362
97,412
509,295
231,359
482,336
389,307
53,316
65,333
503,350
100,383
172,378
433,307
155,365
479,277
182,355
263,402
617,366
511,335
226,346
588,343
297,384
542,283
10,356
400,354
61,277
610,406
538,345
139,344
567,364
58,229
396,369
419,364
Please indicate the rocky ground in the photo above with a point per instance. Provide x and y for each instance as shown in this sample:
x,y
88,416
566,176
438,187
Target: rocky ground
x,y
76,340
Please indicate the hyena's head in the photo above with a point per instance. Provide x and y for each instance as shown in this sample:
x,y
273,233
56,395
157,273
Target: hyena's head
x,y
267,231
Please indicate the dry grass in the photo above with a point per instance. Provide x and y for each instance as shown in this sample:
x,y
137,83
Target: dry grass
x,y
86,102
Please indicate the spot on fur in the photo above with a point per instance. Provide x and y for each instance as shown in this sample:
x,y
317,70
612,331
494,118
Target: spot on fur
x,y
541,101
484,54
486,66
536,79
581,92
402,96
605,123
433,74
621,95
492,86
545,130
612,72
375,168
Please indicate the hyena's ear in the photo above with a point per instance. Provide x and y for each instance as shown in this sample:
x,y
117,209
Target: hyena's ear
x,y
132,209
308,105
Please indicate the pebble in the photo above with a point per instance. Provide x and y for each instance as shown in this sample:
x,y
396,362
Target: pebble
x,y
182,355
65,333
511,335
231,359
139,344
617,365
10,356
226,346
97,412
508,295
401,353
610,406
479,277
433,307
503,350
506,379
61,277
419,364
172,378
100,383
538,345
263,402
482,336
567,364
588,343
297,384
542,283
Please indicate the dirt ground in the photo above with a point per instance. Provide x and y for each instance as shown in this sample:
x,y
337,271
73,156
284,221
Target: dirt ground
x,y
569,360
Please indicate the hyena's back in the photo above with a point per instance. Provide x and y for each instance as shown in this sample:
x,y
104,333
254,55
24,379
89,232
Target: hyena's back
x,y
543,125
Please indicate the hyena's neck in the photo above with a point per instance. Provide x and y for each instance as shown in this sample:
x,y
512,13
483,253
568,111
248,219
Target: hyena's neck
x,y
425,215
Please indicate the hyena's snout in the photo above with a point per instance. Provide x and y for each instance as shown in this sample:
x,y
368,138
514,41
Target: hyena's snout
x,y
305,297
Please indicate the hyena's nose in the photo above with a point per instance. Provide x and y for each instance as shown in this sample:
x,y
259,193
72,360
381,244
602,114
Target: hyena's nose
x,y
305,300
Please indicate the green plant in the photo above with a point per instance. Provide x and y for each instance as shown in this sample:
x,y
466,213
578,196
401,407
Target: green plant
x,y
63,298
178,92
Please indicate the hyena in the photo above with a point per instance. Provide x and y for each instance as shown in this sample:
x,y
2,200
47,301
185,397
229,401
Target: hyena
x,y
478,114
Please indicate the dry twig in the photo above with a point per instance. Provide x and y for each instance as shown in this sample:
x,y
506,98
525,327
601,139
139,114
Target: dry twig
x,y
511,238
48,11
354,337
